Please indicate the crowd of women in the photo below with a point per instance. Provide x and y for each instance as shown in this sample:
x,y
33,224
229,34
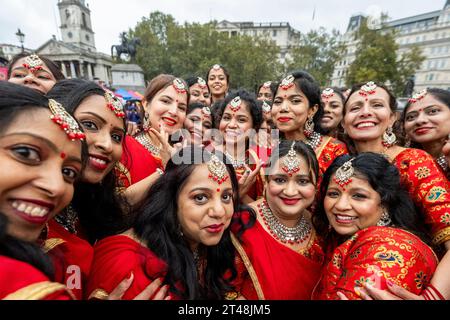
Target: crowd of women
x,y
294,192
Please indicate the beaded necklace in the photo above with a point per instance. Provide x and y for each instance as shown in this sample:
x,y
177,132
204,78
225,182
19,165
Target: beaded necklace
x,y
295,235
147,143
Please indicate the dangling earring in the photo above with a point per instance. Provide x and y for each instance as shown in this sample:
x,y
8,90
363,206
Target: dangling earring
x,y
180,232
385,219
309,127
389,138
146,124
407,143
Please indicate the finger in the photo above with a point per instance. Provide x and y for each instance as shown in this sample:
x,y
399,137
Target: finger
x,y
362,293
244,177
155,133
120,290
149,291
402,293
342,296
257,169
379,294
162,293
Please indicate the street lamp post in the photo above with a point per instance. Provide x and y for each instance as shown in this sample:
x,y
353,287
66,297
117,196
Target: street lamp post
x,y
21,38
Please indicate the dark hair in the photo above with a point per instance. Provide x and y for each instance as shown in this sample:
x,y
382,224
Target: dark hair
x,y
339,93
225,71
384,178
157,225
339,129
24,251
51,65
273,88
250,102
311,89
301,149
439,94
99,207
194,80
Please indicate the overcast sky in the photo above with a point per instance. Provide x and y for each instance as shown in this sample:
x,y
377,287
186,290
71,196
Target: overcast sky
x,y
39,19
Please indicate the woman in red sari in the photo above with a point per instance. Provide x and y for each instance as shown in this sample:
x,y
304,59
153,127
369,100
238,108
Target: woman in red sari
x,y
281,252
41,156
165,105
369,117
238,116
297,111
376,236
181,235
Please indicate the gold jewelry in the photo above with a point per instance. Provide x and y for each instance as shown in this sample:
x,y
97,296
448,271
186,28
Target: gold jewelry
x,y
418,96
343,175
217,170
113,103
179,86
389,138
291,163
33,63
65,121
266,108
235,104
148,144
287,82
368,89
201,83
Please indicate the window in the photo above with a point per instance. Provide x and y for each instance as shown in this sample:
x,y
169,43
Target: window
x,y
274,33
83,17
88,38
70,35
234,33
430,77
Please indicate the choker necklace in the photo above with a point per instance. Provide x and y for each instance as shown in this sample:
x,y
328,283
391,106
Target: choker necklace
x,y
295,235
237,164
68,219
148,144
442,162
314,140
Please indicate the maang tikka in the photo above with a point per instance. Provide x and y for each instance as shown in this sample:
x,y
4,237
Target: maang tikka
x,y
418,96
201,83
33,63
217,170
65,121
368,89
287,82
327,94
179,86
114,104
291,163
344,174
235,104
266,108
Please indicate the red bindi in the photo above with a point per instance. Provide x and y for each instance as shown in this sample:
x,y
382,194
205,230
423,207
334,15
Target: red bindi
x,y
63,155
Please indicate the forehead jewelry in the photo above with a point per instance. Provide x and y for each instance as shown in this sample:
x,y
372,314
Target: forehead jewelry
x,y
267,84
206,113
179,86
33,63
114,104
201,83
287,82
65,121
327,94
235,104
344,173
368,89
418,96
291,163
266,108
217,170
216,67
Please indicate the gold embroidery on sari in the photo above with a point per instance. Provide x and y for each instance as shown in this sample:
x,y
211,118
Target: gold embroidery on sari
x,y
36,291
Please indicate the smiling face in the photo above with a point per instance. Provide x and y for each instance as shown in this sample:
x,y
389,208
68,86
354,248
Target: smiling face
x,y
104,135
355,208
199,94
167,109
333,112
235,125
217,82
427,120
288,196
203,212
291,109
265,94
197,123
367,118
40,80
39,167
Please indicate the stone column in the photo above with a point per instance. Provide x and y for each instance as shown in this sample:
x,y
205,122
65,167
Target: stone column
x,y
89,67
72,70
63,68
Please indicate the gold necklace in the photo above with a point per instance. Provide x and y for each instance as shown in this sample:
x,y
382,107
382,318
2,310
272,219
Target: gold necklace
x,y
147,143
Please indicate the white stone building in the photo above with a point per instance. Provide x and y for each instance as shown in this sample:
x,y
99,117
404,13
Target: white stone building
x,y
281,32
76,53
10,50
430,31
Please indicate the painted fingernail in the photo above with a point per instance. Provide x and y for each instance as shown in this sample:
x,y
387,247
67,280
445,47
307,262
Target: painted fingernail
x,y
357,291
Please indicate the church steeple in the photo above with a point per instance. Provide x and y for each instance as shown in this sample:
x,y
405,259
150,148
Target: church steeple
x,y
76,26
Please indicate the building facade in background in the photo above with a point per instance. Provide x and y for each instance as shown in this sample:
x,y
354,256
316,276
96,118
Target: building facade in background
x,y
281,32
430,31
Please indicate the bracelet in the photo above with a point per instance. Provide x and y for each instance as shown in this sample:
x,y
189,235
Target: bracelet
x,y
433,292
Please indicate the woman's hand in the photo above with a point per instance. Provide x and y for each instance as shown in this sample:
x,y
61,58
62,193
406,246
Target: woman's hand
x,y
146,294
394,292
249,177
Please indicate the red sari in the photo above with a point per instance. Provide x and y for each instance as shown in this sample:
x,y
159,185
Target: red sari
x,y
330,150
274,271
137,163
115,258
71,256
21,281
375,255
429,189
